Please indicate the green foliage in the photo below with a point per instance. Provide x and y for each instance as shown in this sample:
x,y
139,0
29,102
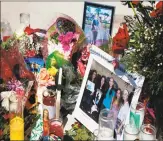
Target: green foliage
x,y
80,133
145,53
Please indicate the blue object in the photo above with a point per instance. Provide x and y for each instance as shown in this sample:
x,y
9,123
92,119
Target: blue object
x,y
108,98
34,64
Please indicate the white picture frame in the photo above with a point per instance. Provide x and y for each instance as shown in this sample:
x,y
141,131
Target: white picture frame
x,y
104,60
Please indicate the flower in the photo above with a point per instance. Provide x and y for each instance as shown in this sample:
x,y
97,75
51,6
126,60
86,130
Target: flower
x,y
14,85
1,132
52,71
20,92
135,2
121,39
5,38
44,78
67,39
6,116
30,53
30,31
158,11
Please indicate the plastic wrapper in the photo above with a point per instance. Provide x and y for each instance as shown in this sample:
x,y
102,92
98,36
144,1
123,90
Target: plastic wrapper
x,y
9,58
61,26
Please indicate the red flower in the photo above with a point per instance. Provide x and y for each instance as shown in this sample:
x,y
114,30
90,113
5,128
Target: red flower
x,y
30,53
30,31
1,132
158,11
121,39
6,116
135,2
5,38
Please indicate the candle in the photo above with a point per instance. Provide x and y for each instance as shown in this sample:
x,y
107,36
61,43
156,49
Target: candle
x,y
137,114
17,128
56,128
60,76
58,95
148,132
130,132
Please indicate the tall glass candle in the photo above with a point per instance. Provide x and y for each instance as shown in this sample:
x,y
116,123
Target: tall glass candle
x,y
137,114
56,128
106,125
147,132
17,122
130,132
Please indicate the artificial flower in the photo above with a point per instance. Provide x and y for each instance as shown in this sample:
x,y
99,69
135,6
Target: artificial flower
x,y
52,71
158,11
81,68
6,116
20,92
5,38
14,85
66,40
44,78
121,39
135,2
30,31
1,132
30,53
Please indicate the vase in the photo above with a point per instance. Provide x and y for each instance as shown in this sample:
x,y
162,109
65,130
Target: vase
x,y
17,121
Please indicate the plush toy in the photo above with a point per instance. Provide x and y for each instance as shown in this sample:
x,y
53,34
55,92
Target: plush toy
x,y
9,100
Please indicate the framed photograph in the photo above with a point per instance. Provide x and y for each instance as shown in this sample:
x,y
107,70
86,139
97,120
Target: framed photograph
x,y
114,90
97,24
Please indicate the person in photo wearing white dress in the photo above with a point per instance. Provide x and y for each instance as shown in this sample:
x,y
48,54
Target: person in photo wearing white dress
x,y
123,112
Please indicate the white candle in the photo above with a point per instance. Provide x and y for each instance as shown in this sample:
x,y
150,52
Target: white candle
x,y
130,132
60,77
58,101
148,132
106,134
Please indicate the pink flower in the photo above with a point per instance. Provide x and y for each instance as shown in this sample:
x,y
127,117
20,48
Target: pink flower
x,y
13,85
20,92
66,40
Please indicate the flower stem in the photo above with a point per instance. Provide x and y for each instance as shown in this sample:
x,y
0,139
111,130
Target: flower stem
x,y
134,12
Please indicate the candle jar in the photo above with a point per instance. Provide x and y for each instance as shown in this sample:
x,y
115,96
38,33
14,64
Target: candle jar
x,y
56,128
25,19
130,132
49,103
137,114
16,119
147,132
106,125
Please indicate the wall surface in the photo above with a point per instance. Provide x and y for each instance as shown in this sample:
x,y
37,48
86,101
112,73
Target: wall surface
x,y
43,13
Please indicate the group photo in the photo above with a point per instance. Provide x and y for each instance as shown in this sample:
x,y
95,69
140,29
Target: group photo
x,y
105,90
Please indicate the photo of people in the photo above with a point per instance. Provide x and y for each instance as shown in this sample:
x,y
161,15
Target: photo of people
x,y
109,92
97,24
45,122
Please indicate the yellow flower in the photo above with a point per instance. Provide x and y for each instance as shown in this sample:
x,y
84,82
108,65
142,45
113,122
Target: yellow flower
x,y
52,71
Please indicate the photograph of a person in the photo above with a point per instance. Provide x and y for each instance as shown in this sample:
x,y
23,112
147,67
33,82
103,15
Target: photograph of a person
x,y
109,92
97,24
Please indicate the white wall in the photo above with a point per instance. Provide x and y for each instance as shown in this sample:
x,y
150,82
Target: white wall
x,y
42,13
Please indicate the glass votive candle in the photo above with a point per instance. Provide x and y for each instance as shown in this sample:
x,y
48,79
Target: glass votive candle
x,y
130,132
49,103
137,114
106,125
56,127
147,132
